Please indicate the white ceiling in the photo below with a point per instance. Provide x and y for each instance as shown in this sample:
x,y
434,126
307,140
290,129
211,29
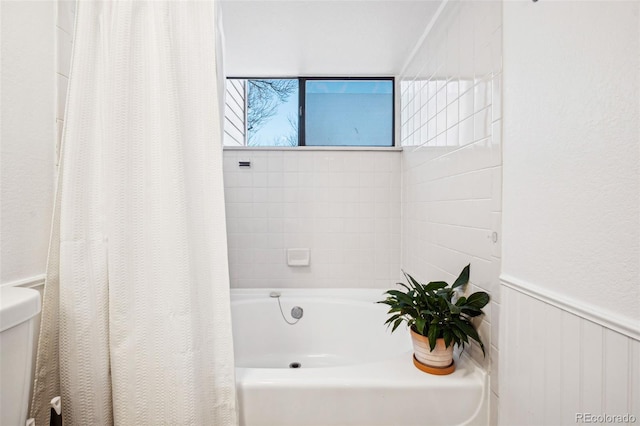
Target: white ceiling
x,y
268,38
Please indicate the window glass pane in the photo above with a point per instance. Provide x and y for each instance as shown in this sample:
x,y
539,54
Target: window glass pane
x,y
349,112
272,112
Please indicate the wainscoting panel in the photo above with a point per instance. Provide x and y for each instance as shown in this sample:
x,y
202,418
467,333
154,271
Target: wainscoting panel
x,y
556,366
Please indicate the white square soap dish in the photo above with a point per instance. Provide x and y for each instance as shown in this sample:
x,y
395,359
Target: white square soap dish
x,y
298,257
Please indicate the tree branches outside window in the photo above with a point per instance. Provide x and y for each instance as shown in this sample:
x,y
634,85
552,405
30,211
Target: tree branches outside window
x,y
263,99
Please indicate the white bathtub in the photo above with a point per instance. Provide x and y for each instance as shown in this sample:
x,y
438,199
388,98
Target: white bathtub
x,y
353,370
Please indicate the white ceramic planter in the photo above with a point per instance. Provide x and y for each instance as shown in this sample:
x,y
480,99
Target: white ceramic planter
x,y
440,357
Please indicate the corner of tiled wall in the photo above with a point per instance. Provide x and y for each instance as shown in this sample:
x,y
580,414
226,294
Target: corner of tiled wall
x,y
451,124
64,40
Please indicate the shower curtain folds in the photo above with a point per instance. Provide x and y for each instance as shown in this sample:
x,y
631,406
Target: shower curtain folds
x,y
136,326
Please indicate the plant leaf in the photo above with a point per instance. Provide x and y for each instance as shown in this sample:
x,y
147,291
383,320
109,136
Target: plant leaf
x,y
393,318
478,300
447,337
472,312
467,329
463,278
461,337
482,347
416,285
461,301
401,296
396,324
433,335
435,285
455,310
445,293
403,285
412,282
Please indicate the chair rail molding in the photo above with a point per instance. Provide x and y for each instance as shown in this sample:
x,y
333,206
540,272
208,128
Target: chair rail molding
x,y
595,314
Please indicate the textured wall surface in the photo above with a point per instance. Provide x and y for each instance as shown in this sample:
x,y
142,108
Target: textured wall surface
x,y
343,205
452,162
28,135
570,321
572,182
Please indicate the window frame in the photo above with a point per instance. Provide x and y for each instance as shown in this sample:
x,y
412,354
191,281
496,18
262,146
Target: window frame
x,y
302,80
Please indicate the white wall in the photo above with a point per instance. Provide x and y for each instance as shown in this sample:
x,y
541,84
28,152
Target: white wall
x,y
571,163
571,210
343,205
451,163
28,137
278,38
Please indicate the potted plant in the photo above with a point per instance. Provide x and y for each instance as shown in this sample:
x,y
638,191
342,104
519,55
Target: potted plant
x,y
439,318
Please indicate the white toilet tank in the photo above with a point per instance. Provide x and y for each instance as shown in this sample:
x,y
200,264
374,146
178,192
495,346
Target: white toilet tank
x,y
18,307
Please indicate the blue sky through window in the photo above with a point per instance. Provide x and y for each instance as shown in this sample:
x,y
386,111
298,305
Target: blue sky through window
x,y
281,129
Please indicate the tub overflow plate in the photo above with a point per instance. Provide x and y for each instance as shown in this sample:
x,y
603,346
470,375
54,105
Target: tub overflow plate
x,y
296,312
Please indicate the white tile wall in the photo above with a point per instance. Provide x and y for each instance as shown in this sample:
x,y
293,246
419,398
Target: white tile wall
x,y
64,42
343,205
452,161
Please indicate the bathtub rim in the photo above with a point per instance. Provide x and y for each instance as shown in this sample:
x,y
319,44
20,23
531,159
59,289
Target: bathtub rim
x,y
352,294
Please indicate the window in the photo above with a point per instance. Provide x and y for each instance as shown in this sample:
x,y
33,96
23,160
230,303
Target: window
x,y
310,111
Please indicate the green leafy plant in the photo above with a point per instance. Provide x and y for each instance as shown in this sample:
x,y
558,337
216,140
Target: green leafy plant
x,y
437,310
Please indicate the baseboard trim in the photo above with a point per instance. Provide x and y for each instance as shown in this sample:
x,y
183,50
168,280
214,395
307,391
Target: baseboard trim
x,y
30,282
608,319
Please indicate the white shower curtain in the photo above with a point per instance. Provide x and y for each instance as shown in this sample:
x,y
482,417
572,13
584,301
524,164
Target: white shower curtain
x,y
136,325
